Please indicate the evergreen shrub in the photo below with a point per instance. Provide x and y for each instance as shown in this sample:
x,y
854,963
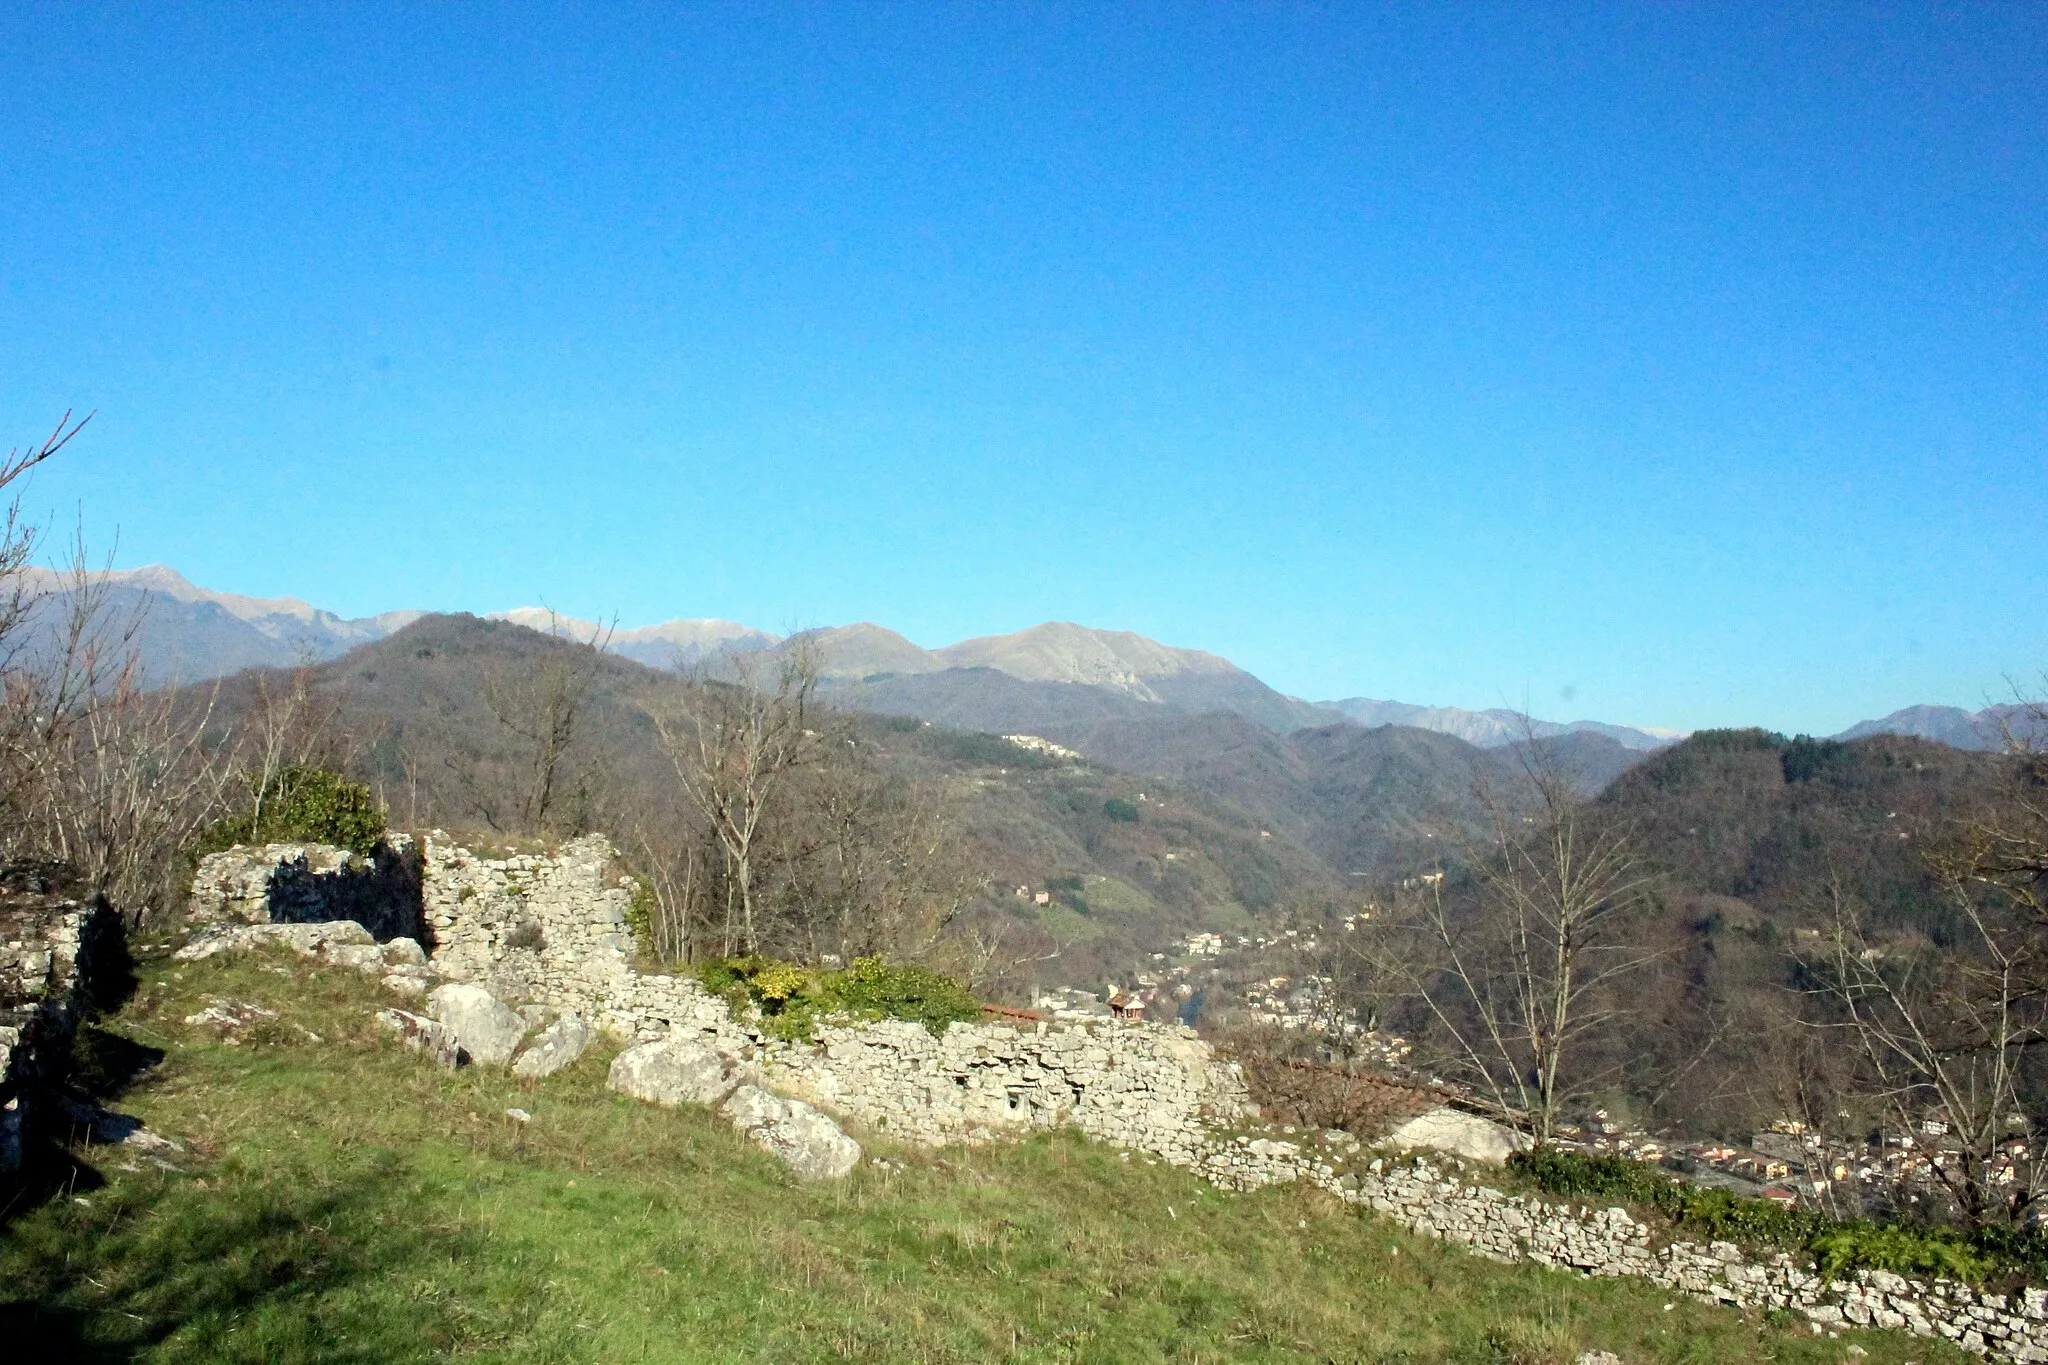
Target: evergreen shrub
x,y
794,1000
303,805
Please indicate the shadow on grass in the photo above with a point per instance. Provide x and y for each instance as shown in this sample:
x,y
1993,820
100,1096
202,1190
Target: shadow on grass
x,y
103,1066
288,1267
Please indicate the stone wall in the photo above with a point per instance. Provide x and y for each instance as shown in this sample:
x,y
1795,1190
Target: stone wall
x,y
1435,1201
551,931
313,884
61,955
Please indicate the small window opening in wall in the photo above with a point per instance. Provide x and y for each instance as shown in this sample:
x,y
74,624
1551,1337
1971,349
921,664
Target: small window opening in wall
x,y
960,1081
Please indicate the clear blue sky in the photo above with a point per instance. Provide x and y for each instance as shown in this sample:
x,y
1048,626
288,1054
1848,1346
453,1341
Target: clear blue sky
x,y
1682,365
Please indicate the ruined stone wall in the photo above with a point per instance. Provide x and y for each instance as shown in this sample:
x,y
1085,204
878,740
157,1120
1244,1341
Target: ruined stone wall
x,y
551,930
59,955
313,884
1434,1201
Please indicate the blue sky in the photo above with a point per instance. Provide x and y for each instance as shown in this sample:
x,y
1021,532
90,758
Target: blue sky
x,y
1676,365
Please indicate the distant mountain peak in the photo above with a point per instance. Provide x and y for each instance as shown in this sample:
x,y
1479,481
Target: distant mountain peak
x,y
1495,726
1956,727
1064,652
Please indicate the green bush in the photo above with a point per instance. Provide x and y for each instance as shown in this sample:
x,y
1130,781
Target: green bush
x,y
1905,1251
871,988
303,805
640,916
794,1000
1116,808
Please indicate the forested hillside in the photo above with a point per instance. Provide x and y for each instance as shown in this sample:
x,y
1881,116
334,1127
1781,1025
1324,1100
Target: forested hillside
x,y
438,719
1737,858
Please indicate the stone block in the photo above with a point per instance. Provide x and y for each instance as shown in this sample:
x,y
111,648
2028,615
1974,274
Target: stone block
x,y
488,1030
675,1070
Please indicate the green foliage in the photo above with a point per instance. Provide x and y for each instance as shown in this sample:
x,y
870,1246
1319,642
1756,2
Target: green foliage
x,y
1711,1213
303,805
1117,808
794,1000
1925,1252
1806,758
640,915
1837,1247
872,988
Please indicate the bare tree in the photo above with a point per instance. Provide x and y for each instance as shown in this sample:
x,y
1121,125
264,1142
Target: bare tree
x,y
997,950
288,727
676,857
875,869
95,769
538,705
1520,974
1950,1026
732,747
1945,1033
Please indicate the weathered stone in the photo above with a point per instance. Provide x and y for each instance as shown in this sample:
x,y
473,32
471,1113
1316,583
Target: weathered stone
x,y
672,1071
559,1044
805,1140
1460,1134
59,951
488,1031
312,884
429,1036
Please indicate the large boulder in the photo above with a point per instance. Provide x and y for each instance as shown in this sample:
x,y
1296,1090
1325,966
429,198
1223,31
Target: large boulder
x,y
488,1029
675,1070
805,1140
559,1044
1460,1134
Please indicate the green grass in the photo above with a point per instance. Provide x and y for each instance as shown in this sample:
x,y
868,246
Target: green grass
x,y
344,1201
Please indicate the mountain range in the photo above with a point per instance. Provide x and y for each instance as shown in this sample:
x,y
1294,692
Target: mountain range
x,y
1057,679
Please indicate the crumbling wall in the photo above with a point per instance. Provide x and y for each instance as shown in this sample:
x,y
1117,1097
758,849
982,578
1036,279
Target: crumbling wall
x,y
313,884
61,957
1435,1201
552,930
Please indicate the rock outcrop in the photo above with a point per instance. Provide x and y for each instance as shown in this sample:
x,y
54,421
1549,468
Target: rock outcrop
x,y
674,1071
799,1136
1459,1134
429,1036
488,1030
555,1047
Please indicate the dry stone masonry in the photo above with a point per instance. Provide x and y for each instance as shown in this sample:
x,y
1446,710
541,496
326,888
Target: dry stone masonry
x,y
58,955
549,934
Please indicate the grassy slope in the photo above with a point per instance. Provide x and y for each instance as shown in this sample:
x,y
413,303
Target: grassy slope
x,y
345,1201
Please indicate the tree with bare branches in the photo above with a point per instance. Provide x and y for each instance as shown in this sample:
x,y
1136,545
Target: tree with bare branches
x,y
1946,1033
95,769
732,747
1949,1026
1519,970
539,710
